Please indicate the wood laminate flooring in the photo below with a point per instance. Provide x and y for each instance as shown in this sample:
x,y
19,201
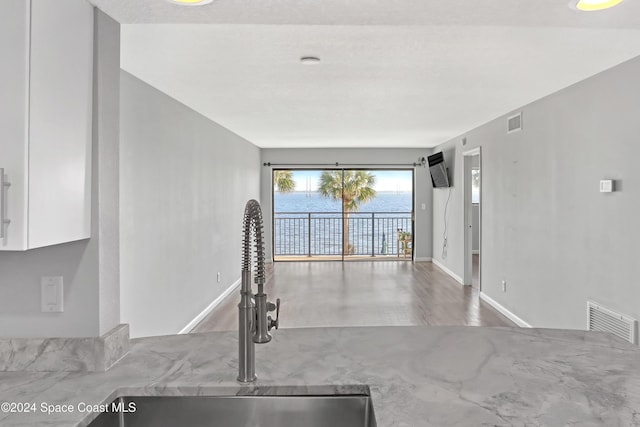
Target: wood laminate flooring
x,y
319,294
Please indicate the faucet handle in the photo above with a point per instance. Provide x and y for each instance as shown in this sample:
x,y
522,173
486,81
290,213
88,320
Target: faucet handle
x,y
274,323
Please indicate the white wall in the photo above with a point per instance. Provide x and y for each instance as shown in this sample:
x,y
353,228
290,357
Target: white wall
x,y
184,184
546,229
20,314
90,276
356,156
105,205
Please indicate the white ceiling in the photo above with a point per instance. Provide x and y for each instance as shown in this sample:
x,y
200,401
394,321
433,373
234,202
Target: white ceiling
x,y
398,73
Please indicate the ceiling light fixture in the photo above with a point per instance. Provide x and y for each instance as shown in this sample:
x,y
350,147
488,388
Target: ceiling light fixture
x,y
190,2
594,5
310,60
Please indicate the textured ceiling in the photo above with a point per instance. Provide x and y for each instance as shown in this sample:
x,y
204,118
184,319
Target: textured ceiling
x,y
538,13
409,74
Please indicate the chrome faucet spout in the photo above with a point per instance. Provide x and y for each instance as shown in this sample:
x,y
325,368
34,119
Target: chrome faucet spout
x,y
254,324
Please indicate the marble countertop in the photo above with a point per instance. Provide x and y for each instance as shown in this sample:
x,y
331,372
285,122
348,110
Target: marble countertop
x,y
418,376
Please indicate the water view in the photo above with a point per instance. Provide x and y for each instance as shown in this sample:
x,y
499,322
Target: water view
x,y
315,202
308,219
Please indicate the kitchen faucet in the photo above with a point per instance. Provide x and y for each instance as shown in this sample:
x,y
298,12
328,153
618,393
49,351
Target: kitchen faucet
x,y
254,324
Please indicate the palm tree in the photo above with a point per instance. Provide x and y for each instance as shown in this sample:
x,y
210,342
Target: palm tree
x,y
283,181
353,188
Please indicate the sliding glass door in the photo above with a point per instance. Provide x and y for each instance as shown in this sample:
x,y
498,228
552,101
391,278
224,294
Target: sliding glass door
x,y
342,214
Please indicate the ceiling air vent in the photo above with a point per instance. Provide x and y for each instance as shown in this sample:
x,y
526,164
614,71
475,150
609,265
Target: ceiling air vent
x,y
605,320
514,123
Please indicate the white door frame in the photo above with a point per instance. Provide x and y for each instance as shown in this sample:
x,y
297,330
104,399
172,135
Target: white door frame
x,y
468,218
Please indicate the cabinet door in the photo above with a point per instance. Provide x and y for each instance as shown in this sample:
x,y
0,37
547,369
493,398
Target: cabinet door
x,y
14,72
60,121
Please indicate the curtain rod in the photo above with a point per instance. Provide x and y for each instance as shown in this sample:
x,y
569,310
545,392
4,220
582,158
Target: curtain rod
x,y
421,162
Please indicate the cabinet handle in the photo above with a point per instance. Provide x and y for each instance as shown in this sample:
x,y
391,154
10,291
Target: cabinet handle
x,y
4,184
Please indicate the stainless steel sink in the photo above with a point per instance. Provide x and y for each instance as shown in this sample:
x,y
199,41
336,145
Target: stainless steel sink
x,y
353,410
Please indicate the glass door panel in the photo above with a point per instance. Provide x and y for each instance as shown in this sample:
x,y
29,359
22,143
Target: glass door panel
x,y
306,224
378,213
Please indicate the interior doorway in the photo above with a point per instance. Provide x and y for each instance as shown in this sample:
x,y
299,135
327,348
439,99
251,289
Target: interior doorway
x,y
343,214
473,218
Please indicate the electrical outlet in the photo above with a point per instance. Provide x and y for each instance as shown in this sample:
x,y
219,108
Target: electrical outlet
x,y
219,277
504,286
424,206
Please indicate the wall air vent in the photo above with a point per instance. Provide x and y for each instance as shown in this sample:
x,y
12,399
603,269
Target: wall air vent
x,y
514,123
603,319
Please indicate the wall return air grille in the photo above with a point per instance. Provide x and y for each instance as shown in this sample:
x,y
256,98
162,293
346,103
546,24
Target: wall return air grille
x,y
514,123
605,320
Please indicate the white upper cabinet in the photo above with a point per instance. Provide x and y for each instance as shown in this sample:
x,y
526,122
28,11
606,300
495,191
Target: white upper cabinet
x,y
46,78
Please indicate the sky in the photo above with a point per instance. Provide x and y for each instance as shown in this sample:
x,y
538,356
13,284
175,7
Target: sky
x,y
385,180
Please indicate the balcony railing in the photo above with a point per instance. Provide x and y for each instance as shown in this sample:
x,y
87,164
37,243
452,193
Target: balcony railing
x,y
320,233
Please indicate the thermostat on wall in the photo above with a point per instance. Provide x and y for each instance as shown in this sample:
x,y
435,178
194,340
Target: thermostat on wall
x,y
606,186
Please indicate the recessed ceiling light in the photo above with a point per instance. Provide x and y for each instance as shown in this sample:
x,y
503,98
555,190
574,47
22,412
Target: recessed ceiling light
x,y
593,5
190,2
310,60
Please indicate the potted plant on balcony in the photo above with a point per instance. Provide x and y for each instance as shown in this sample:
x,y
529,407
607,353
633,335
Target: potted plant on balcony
x,y
404,242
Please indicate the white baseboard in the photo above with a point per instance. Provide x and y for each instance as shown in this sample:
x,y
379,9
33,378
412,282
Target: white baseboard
x,y
423,259
209,308
495,304
446,269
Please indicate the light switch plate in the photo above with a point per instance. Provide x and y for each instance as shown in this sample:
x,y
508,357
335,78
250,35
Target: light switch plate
x,y
606,186
52,294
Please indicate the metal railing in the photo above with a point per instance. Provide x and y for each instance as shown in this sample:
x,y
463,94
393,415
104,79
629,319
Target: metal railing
x,y
321,233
